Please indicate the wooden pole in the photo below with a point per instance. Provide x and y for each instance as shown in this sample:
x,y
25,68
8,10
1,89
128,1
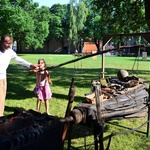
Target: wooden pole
x,y
68,110
105,42
99,123
148,123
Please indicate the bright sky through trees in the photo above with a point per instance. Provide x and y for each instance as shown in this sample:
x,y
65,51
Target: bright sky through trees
x,y
49,3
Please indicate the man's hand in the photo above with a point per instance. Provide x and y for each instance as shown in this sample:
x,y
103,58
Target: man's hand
x,y
34,66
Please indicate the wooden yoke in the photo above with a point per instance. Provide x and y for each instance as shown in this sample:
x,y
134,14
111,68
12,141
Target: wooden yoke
x,y
68,110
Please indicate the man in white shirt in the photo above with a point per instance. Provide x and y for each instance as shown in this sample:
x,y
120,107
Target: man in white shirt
x,y
6,54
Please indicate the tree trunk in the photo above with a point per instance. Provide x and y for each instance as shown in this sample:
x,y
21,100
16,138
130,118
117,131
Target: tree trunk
x,y
97,43
147,12
62,45
47,46
19,47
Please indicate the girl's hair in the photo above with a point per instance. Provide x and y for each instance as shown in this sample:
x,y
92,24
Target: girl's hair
x,y
42,60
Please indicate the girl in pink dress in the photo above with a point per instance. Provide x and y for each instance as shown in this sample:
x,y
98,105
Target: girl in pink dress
x,y
42,89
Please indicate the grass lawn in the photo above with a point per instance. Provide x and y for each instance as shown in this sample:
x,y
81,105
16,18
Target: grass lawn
x,y
20,91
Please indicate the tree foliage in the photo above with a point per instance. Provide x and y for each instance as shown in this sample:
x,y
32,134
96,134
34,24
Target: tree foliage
x,y
113,16
27,23
58,21
147,12
78,13
89,19
80,19
122,16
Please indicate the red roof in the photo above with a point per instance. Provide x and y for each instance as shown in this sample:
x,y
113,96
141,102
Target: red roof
x,y
89,48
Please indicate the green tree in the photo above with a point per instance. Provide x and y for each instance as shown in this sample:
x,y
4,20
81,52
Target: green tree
x,y
77,18
27,23
147,12
72,25
58,24
93,27
109,16
122,16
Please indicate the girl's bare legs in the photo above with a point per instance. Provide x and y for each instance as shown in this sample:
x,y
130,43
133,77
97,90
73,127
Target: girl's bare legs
x,y
46,102
38,105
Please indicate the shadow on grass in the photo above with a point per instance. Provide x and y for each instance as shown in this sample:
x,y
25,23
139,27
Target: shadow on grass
x,y
63,96
12,109
20,85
